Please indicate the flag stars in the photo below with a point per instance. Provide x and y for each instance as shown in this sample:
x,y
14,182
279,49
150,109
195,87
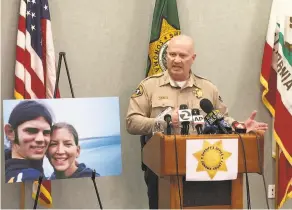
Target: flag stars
x,y
33,1
46,7
33,27
28,13
32,15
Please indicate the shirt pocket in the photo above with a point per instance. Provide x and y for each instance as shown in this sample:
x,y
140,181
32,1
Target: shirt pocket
x,y
158,106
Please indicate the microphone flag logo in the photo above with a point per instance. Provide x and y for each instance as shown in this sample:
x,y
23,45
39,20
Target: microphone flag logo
x,y
185,115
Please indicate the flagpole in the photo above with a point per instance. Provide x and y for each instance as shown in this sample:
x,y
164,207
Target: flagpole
x,y
22,196
277,176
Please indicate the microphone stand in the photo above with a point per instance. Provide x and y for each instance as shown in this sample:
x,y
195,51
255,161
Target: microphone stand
x,y
167,118
38,192
168,129
199,129
96,191
184,129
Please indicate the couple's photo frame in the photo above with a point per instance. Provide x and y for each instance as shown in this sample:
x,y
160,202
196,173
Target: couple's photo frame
x,y
61,138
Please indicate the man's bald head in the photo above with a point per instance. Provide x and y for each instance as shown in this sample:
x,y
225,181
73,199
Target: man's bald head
x,y
184,40
180,57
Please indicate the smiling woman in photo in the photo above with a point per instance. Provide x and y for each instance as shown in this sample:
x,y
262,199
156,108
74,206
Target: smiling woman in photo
x,y
63,151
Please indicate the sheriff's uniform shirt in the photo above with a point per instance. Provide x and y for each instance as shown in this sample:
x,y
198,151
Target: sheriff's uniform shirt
x,y
156,93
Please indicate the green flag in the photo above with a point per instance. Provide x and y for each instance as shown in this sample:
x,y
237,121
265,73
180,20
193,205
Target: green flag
x,y
165,25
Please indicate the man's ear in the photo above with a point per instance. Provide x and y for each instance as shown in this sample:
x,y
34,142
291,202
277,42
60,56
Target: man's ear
x,y
9,132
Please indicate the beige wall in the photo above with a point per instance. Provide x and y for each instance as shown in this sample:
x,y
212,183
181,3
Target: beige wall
x,y
106,44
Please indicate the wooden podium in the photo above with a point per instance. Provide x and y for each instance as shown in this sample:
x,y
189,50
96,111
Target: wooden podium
x,y
159,154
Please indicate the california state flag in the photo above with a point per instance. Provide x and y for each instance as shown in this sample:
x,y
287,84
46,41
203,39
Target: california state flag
x,y
276,79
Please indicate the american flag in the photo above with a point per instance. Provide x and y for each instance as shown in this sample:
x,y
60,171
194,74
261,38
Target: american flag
x,y
35,70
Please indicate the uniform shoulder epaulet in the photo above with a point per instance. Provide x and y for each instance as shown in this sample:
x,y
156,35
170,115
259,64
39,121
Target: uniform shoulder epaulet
x,y
200,77
203,78
158,75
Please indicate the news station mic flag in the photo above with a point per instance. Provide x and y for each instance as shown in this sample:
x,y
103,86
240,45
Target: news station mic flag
x,y
276,79
165,25
35,70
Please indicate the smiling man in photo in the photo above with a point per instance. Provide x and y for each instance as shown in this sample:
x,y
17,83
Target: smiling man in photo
x,y
28,131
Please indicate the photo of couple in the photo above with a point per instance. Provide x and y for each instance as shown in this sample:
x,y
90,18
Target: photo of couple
x,y
61,138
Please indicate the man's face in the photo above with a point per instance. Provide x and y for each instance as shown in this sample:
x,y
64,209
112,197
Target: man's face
x,y
180,58
33,138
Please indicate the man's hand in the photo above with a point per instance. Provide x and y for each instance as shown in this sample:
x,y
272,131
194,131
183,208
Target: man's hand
x,y
174,118
252,125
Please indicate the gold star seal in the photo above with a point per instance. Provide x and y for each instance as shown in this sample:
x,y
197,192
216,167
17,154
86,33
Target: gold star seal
x,y
212,158
157,49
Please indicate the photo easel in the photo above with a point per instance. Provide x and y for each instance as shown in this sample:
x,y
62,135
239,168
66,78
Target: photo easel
x,y
63,55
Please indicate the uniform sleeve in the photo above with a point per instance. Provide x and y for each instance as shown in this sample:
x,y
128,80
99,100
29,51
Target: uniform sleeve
x,y
219,105
137,119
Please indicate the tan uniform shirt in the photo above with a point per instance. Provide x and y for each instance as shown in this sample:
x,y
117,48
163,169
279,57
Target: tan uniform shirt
x,y
158,92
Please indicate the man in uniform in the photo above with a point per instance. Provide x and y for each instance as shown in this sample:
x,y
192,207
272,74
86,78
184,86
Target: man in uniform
x,y
172,88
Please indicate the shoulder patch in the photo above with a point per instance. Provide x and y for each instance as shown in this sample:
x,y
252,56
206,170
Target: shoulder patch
x,y
138,92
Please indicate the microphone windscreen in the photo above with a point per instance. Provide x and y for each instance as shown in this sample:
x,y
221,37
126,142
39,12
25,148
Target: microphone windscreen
x,y
167,117
195,112
206,105
183,106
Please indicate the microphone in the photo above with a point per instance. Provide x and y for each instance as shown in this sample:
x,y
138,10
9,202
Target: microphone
x,y
210,129
239,127
213,117
167,119
226,125
184,117
198,121
158,125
